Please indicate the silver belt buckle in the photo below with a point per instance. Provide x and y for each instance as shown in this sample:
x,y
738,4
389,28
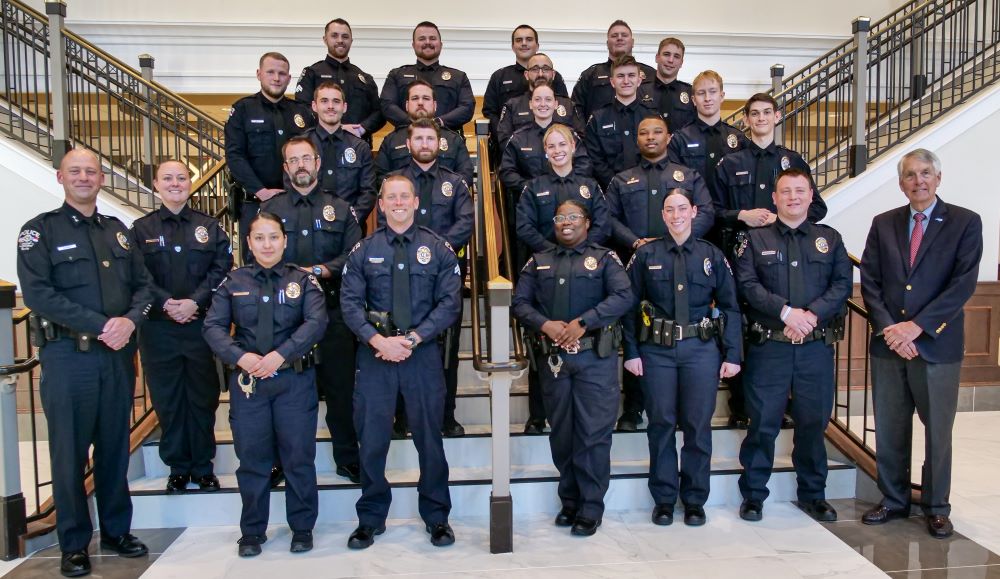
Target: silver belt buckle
x,y
678,332
798,342
574,349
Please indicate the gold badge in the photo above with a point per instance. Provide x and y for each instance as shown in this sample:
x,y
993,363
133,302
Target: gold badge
x,y
785,163
584,191
446,189
293,290
821,245
329,213
561,111
446,75
679,176
361,77
349,155
299,121
685,98
424,255
122,240
590,263
707,266
443,144
732,142
201,234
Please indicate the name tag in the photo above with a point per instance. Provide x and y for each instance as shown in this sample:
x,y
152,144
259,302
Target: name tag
x,y
398,147
603,76
611,126
632,180
376,259
541,267
655,267
743,172
73,246
409,76
693,145
326,76
257,121
527,149
507,82
524,114
240,294
540,194
769,252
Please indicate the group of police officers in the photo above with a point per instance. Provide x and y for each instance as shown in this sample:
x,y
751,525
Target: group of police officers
x,y
636,165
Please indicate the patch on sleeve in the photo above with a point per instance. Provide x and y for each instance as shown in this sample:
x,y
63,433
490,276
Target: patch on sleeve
x,y
726,261
27,239
355,248
355,215
531,261
315,282
615,257
741,246
630,262
448,245
458,269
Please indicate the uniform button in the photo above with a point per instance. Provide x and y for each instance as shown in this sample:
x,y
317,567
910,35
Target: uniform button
x,y
902,312
329,171
626,133
305,232
909,287
761,185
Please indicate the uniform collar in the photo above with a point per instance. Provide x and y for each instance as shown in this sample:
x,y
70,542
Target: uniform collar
x,y
416,171
770,150
165,214
619,106
783,229
704,127
556,177
267,102
298,198
324,135
671,245
336,63
647,164
260,272
77,218
431,67
407,235
518,68
578,248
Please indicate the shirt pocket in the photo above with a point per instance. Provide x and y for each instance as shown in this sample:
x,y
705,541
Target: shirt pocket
x,y
245,306
379,278
331,238
589,287
70,268
123,263
199,260
820,267
260,140
769,271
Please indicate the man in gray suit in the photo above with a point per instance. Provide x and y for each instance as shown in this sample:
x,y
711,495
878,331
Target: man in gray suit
x,y
919,268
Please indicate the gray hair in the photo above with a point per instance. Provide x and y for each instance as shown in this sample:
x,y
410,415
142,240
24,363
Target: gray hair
x,y
922,155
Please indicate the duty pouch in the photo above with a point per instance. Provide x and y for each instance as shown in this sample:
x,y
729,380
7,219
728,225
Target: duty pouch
x,y
608,340
645,320
706,330
835,331
38,330
719,322
756,334
663,332
382,322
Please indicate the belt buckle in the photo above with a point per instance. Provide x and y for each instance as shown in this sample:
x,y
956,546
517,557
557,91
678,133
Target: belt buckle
x,y
574,349
678,332
798,341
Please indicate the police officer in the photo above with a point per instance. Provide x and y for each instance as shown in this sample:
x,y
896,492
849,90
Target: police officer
x,y
452,91
87,288
323,229
401,290
516,111
703,143
446,208
672,95
279,314
394,155
610,136
509,82
794,277
745,181
594,88
536,230
187,254
364,117
686,339
572,297
346,161
257,127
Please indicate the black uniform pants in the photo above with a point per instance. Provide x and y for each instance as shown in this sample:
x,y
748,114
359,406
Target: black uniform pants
x,y
86,397
184,386
335,378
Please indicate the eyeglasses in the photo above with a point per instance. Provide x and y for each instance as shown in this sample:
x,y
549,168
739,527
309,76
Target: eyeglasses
x,y
572,218
536,69
302,159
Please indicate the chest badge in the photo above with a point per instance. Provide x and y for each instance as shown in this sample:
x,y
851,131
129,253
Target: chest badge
x,y
707,266
446,75
122,240
685,98
329,213
679,176
423,255
299,121
292,290
443,144
821,245
350,155
590,263
785,163
201,234
561,111
447,189
732,142
584,191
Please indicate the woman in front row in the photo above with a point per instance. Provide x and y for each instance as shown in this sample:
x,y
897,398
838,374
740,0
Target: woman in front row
x,y
571,297
279,313
680,346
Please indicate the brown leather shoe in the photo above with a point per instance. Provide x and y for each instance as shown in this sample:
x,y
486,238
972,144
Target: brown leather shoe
x,y
939,526
880,514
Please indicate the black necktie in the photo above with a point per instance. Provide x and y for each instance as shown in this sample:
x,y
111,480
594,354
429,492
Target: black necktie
x,y
179,283
265,315
426,199
655,227
682,314
305,254
278,119
716,145
630,147
762,182
113,297
401,314
796,277
560,300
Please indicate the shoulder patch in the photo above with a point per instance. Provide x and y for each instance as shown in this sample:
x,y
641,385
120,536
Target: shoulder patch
x,y
728,267
27,239
529,263
355,248
631,261
314,281
448,245
615,257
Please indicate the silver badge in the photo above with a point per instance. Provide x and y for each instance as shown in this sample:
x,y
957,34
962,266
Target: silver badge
x,y
446,189
201,234
423,255
122,240
329,213
561,111
443,144
349,155
685,98
785,163
584,191
707,266
590,263
732,141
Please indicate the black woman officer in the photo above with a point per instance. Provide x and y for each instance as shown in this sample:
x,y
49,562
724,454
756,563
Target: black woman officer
x,y
279,313
187,254
572,297
679,347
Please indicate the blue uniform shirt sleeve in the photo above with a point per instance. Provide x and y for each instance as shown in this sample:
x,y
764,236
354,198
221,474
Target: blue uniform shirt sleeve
x,y
353,295
832,300
635,269
390,100
447,295
237,145
461,229
352,235
314,321
619,231
365,202
600,218
726,302
222,262
523,304
217,323
618,298
456,118
750,286
702,198
527,220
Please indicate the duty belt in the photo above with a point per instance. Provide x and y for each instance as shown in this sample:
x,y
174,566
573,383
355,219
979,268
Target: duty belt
x,y
43,331
300,365
547,346
665,332
758,334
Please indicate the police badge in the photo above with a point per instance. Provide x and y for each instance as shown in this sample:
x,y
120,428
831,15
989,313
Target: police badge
x,y
679,176
732,141
446,75
707,266
299,121
785,163
424,255
590,263
685,98
446,189
361,77
201,234
443,144
329,213
821,245
293,290
561,111
350,155
122,240
584,191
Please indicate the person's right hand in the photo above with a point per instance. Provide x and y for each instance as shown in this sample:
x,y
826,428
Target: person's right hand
x,y
634,366
394,349
265,193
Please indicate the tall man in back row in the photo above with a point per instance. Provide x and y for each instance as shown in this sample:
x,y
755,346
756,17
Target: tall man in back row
x,y
595,89
919,269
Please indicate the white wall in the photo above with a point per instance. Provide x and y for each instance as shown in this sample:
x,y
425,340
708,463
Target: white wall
x,y
211,47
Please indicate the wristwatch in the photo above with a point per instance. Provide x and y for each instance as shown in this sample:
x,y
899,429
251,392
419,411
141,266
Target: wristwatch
x,y
317,271
412,340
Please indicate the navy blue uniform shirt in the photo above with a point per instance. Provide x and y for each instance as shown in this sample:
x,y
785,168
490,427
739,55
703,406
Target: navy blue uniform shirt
x,y
593,90
347,169
508,83
451,213
452,91
524,158
517,114
611,137
453,154
673,101
255,132
360,90
544,194
690,147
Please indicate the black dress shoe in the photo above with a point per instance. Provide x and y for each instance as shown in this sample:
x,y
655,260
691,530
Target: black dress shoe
x,y
363,537
302,541
819,509
277,476
208,483
752,510
75,564
694,515
629,422
939,526
177,483
249,545
441,534
399,430
453,429
566,517
351,472
880,514
739,421
584,527
127,545
534,426
663,515
787,422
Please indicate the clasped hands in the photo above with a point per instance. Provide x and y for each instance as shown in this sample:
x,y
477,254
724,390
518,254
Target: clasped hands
x,y
564,334
899,337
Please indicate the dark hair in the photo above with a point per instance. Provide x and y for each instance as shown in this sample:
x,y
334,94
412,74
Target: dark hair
x,y
266,216
520,26
671,40
578,204
420,82
274,55
624,60
337,21
396,177
761,97
677,191
427,24
330,85
619,23
792,172
424,123
653,118
295,141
